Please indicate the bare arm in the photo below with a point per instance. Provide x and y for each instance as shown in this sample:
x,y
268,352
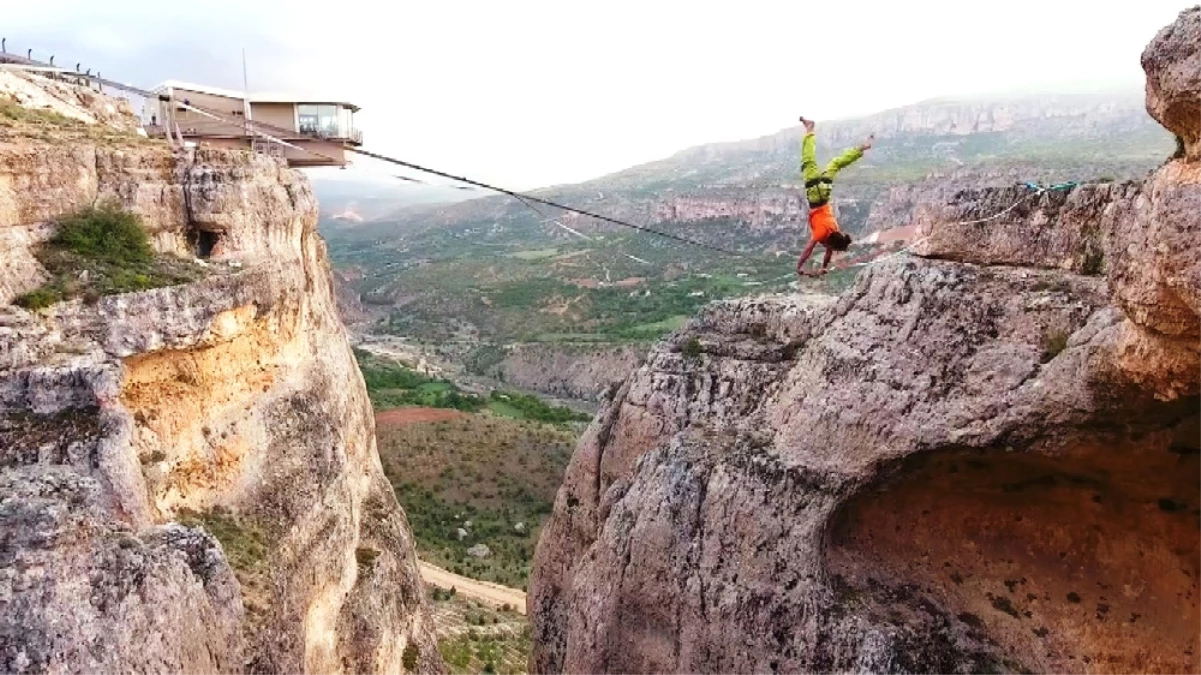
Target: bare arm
x,y
826,258
848,157
800,264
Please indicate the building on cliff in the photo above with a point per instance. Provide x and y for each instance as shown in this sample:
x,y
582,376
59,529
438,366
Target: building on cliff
x,y
321,129
128,496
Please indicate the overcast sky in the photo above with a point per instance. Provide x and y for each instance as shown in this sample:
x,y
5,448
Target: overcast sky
x,y
530,93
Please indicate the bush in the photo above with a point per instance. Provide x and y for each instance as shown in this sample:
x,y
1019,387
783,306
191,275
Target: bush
x,y
692,349
1179,148
1094,263
107,233
533,408
102,250
41,298
365,557
1053,343
409,657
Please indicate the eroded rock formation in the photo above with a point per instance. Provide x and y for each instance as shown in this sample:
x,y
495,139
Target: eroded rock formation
x,y
983,458
582,372
188,475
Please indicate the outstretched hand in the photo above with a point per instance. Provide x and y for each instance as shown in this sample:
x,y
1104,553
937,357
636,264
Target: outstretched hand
x,y
809,124
867,145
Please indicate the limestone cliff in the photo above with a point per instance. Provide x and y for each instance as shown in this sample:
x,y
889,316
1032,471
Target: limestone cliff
x,y
982,458
582,372
188,475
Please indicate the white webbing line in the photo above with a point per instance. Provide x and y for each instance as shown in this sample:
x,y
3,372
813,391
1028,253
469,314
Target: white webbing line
x,y
250,125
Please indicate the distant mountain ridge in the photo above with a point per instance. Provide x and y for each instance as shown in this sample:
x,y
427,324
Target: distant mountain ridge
x,y
494,268
972,140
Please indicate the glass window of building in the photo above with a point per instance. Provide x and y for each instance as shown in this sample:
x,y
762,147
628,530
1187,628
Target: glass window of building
x,y
325,120
308,118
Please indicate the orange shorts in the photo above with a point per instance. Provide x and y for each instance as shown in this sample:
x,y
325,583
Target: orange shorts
x,y
822,223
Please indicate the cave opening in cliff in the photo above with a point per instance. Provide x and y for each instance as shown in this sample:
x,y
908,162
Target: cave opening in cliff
x,y
206,241
1081,555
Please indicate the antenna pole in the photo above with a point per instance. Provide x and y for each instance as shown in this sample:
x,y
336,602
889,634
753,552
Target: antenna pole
x,y
245,93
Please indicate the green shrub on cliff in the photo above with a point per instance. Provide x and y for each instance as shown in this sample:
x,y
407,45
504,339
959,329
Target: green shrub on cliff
x,y
105,233
41,298
12,112
102,250
409,657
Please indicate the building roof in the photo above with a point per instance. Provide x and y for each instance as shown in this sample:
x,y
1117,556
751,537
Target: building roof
x,y
254,96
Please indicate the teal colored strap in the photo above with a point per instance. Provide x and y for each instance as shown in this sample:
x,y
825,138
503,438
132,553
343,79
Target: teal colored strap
x,y
1058,187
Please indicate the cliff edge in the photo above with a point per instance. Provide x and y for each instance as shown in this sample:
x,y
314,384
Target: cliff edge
x,y
980,458
188,474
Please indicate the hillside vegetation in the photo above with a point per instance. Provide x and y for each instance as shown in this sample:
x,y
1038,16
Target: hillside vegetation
x,y
391,384
477,479
102,250
495,270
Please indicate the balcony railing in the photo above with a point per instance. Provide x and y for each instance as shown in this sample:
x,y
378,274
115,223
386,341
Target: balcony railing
x,y
351,135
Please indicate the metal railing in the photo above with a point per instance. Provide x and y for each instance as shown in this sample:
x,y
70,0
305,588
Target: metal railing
x,y
264,147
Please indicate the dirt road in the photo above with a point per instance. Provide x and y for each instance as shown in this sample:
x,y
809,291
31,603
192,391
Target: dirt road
x,y
486,592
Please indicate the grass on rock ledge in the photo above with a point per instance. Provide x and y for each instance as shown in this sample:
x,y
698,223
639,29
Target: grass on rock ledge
x,y
103,250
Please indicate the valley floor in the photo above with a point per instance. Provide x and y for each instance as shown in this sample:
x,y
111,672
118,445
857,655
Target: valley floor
x,y
493,595
475,637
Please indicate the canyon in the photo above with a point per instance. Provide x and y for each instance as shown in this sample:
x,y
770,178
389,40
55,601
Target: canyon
x,y
981,457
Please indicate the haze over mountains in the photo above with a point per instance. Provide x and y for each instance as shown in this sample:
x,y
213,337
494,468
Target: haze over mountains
x,y
1081,136
492,269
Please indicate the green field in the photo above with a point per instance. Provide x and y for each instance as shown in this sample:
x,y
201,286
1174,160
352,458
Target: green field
x,y
393,385
474,638
536,254
493,477
504,409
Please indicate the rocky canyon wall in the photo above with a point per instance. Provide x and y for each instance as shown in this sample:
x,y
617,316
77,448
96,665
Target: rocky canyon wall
x,y
581,372
190,480
981,458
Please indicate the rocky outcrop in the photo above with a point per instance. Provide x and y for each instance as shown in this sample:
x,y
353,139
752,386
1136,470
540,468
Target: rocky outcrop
x,y
917,201
581,372
1173,65
757,208
190,481
981,459
1019,226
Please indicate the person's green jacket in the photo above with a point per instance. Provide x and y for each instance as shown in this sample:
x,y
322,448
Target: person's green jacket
x,y
819,184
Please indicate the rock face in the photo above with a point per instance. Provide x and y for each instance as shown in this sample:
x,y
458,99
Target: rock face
x,y
1173,65
188,475
1053,230
918,201
758,209
581,372
983,459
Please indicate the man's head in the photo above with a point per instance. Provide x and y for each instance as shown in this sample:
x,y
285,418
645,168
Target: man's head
x,y
839,241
